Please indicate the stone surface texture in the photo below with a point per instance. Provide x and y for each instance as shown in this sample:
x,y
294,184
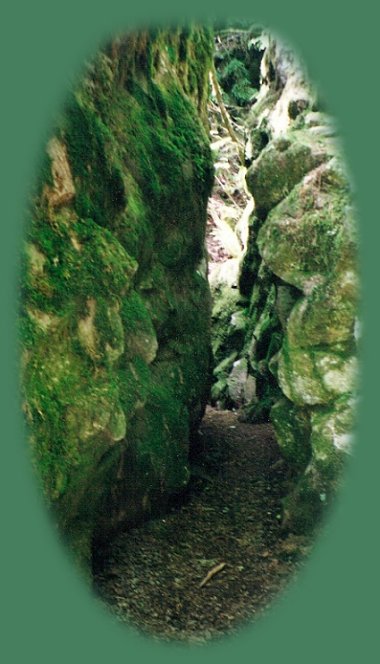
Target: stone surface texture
x,y
297,300
115,312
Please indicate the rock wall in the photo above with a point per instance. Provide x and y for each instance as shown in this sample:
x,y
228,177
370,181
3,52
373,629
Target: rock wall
x,y
289,336
115,299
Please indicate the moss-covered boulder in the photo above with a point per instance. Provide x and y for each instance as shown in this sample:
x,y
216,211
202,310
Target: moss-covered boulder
x,y
299,281
115,312
279,167
330,441
309,238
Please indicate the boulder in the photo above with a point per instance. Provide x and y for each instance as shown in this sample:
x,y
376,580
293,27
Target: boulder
x,y
115,311
278,169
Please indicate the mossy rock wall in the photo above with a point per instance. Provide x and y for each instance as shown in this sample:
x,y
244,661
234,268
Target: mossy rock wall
x,y
115,308
298,287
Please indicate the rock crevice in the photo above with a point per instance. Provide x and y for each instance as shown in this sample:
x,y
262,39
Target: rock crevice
x,y
116,304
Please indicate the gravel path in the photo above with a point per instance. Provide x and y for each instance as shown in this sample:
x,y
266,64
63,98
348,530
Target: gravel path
x,y
151,575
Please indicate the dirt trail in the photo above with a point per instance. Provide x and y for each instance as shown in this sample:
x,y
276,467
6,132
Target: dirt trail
x,y
231,514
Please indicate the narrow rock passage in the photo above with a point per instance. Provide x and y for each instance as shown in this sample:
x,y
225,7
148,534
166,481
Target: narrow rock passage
x,y
151,575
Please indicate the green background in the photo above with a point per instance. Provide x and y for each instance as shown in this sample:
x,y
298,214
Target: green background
x,y
330,611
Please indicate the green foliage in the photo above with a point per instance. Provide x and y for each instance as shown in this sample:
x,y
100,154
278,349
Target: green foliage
x,y
237,60
242,92
233,72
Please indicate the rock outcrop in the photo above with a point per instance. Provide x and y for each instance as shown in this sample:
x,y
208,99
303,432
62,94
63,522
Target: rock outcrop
x,y
288,332
116,308
115,299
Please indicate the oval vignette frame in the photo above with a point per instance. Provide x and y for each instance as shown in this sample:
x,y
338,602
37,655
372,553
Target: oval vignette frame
x,y
50,611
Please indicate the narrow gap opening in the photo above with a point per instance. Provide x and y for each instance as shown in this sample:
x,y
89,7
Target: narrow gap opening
x,y
116,325
231,509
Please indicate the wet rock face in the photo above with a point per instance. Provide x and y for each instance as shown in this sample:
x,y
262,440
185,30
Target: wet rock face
x,y
298,287
115,311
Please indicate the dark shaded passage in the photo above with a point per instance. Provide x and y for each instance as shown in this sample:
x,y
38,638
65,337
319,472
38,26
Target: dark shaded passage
x,y
231,513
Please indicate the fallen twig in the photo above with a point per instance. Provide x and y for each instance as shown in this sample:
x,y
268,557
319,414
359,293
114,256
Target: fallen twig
x,y
220,183
224,113
212,573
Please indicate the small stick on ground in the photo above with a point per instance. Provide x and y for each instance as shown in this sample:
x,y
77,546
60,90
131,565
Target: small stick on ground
x,y
224,113
212,573
220,183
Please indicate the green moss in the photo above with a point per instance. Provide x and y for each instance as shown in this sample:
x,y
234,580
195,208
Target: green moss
x,y
134,313
97,174
299,378
308,234
64,397
140,336
200,54
293,429
277,171
95,264
161,434
171,53
183,43
315,492
109,329
109,275
168,134
225,338
189,139
259,139
133,379
326,317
